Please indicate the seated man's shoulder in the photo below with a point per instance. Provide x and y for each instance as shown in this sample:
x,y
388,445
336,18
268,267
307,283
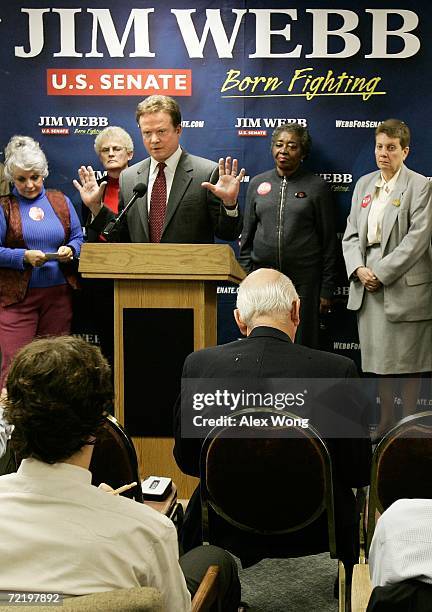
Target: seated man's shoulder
x,y
403,511
212,352
330,364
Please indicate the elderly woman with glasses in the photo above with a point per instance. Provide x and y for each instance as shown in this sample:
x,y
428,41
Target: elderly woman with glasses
x,y
40,235
115,149
289,225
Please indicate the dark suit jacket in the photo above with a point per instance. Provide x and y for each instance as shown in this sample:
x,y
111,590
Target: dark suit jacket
x,y
194,215
406,596
269,353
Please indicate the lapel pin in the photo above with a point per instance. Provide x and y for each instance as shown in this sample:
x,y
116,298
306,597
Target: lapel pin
x,y
300,194
396,202
366,200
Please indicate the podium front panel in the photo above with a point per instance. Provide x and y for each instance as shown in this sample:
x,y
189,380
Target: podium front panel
x,y
156,342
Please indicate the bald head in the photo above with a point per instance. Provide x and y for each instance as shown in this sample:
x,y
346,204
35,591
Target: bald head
x,y
267,297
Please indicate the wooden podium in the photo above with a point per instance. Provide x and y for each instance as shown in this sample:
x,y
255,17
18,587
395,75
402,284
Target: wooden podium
x,y
164,308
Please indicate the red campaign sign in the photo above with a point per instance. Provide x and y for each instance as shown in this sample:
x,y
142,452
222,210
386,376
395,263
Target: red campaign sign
x,y
113,82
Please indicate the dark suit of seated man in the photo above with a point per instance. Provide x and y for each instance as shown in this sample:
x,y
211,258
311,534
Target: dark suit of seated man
x,y
200,196
268,311
59,532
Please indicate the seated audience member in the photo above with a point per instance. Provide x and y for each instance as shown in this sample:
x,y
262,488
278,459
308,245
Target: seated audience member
x,y
60,533
35,290
267,313
115,149
401,546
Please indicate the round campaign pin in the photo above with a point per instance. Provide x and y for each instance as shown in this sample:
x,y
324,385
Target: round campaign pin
x,y
300,194
264,188
36,213
366,200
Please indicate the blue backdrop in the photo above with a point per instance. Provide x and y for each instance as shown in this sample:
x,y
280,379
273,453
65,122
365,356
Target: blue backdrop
x,y
69,69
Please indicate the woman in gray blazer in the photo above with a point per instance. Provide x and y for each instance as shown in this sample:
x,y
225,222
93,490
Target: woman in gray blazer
x,y
388,257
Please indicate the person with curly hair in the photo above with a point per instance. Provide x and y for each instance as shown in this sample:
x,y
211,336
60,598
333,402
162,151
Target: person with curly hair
x,y
59,532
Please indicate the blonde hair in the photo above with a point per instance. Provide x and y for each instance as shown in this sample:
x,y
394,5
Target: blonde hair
x,y
116,132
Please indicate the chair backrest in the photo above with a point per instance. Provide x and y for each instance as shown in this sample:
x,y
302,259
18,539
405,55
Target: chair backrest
x,y
246,480
137,599
401,466
114,459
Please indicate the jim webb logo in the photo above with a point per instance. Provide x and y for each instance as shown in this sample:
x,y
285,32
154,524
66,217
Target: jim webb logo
x,y
63,125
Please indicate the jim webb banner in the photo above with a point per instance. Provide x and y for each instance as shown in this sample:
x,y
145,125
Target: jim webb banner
x,y
238,69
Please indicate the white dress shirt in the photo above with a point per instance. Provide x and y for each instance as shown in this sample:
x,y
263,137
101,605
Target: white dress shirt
x,y
381,198
61,534
169,170
401,546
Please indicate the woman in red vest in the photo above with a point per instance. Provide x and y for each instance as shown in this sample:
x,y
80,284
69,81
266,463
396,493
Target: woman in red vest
x,y
40,235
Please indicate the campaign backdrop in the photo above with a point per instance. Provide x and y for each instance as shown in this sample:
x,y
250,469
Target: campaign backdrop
x,y
238,69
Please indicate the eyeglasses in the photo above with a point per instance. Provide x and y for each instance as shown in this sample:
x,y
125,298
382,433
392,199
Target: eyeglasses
x,y
116,149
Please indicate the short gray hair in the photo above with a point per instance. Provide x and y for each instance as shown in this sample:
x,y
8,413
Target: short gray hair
x,y
255,299
24,153
114,131
297,129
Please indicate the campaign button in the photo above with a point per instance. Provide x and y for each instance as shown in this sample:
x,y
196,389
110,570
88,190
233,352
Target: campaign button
x,y
264,188
36,213
366,200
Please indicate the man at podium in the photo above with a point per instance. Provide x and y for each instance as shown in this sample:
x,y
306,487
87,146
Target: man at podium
x,y
180,198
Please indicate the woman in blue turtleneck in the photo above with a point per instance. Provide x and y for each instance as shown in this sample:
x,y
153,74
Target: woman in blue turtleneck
x,y
35,289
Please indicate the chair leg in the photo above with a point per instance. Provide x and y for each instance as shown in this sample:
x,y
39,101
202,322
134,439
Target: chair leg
x,y
345,580
342,584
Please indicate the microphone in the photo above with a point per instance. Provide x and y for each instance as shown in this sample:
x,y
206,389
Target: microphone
x,y
138,192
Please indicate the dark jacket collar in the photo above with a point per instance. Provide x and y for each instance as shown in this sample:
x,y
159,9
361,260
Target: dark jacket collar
x,y
272,332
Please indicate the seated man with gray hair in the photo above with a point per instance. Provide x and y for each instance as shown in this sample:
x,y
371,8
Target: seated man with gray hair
x,y
268,314
59,532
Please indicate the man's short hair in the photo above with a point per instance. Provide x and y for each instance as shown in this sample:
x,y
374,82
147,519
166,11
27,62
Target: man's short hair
x,y
258,299
157,104
395,128
57,392
299,130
